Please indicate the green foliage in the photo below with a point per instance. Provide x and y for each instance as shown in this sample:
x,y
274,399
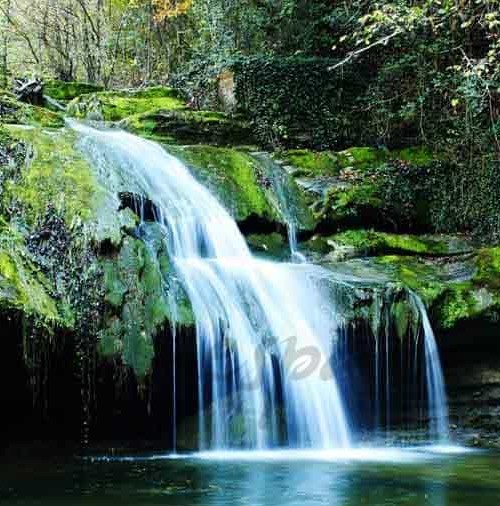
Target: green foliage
x,y
299,101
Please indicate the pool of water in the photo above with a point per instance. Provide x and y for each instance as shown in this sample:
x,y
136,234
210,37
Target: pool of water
x,y
425,476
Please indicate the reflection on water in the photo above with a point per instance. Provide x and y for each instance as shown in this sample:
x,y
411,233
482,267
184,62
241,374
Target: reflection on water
x,y
374,477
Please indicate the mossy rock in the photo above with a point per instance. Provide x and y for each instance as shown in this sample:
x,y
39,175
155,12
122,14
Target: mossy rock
x,y
269,245
142,297
310,163
232,175
18,113
65,91
57,175
360,243
117,105
189,127
454,290
22,286
346,189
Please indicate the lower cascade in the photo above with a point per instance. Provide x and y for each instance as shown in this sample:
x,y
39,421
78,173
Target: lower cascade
x,y
272,356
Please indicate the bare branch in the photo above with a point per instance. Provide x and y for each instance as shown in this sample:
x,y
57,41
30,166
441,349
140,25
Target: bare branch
x,y
355,54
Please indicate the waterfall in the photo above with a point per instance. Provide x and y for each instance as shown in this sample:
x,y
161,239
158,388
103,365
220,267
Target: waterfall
x,y
281,184
438,407
265,331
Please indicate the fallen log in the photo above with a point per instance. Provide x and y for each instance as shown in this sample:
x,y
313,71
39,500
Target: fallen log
x,y
29,90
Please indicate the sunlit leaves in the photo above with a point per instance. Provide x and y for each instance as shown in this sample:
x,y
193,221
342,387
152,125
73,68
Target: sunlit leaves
x,y
165,9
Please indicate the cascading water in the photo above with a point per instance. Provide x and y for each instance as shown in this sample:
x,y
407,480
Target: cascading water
x,y
266,331
438,407
281,184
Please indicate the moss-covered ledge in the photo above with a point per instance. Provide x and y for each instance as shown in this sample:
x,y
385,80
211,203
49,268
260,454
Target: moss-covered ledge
x,y
181,126
65,91
348,188
233,176
67,248
117,105
18,113
142,297
367,243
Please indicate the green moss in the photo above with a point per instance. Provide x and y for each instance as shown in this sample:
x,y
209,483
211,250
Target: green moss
x,y
65,91
189,127
140,300
369,242
115,288
421,155
22,285
57,175
268,244
361,157
350,203
312,163
456,303
19,113
451,300
488,263
421,277
232,175
117,105
403,316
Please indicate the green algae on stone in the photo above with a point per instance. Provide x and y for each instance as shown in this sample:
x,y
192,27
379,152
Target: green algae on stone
x,y
361,157
310,163
372,243
350,203
231,175
117,105
471,295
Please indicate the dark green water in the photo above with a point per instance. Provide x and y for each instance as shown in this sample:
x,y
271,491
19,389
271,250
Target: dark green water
x,y
415,479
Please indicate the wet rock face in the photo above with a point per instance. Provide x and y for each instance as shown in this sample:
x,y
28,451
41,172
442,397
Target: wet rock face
x,y
50,242
473,387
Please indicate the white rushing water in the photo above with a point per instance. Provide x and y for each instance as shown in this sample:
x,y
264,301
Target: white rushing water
x,y
436,393
265,330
